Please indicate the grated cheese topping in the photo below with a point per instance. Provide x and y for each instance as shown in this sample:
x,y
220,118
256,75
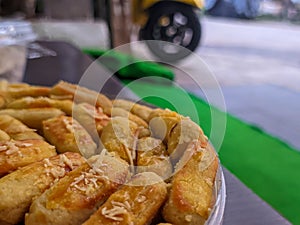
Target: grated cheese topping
x,y
63,160
57,171
92,111
12,148
87,181
117,211
141,198
20,144
3,148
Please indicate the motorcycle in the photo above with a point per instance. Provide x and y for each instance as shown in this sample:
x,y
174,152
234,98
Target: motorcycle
x,y
172,27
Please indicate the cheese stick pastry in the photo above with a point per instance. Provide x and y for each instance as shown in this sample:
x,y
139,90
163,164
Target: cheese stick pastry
x,y
181,135
76,196
16,129
161,123
91,118
120,137
135,108
32,117
136,203
21,90
18,189
4,136
81,94
15,154
67,135
41,102
123,113
152,156
191,196
144,132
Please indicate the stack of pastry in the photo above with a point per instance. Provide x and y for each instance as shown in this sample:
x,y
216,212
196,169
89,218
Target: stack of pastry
x,y
69,155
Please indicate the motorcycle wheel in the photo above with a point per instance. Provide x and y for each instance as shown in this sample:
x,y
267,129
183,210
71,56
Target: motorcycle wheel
x,y
177,28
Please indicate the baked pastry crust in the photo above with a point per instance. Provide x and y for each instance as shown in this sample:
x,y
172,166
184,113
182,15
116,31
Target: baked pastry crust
x,y
32,117
30,182
16,154
41,102
191,196
67,135
152,156
137,202
75,197
91,118
16,129
122,138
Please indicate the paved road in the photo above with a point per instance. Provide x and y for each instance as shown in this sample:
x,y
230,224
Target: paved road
x,y
257,65
252,52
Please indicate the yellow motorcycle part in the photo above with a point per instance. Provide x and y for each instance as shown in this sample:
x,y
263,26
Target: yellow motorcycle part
x,y
139,8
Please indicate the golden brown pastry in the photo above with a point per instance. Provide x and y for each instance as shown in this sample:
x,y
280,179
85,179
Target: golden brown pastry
x,y
4,136
176,131
75,197
67,135
136,203
158,144
191,196
135,108
41,102
22,90
16,129
32,117
152,156
123,113
120,137
91,118
181,135
81,94
15,154
162,122
18,189
144,132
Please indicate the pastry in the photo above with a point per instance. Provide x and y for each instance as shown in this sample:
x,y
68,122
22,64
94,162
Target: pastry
x,y
32,117
190,200
18,189
135,108
136,202
16,129
67,135
120,137
81,94
91,118
41,102
152,156
75,197
16,154
69,155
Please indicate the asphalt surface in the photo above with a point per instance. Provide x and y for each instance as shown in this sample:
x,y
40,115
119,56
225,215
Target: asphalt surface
x,y
257,65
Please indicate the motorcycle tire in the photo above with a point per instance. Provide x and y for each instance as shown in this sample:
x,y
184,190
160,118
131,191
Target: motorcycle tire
x,y
170,22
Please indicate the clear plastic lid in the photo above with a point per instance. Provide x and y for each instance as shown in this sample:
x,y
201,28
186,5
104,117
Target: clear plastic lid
x,y
16,33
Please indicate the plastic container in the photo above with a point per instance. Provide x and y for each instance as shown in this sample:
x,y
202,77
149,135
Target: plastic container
x,y
217,213
14,37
